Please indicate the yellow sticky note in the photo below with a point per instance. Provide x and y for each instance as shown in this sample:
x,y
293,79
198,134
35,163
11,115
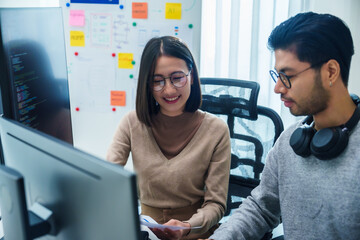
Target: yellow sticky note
x,y
173,10
125,60
117,98
77,39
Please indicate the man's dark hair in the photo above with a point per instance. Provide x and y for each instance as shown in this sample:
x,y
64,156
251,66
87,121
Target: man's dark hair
x,y
315,38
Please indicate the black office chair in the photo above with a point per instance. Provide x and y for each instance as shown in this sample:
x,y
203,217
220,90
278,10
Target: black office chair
x,y
253,131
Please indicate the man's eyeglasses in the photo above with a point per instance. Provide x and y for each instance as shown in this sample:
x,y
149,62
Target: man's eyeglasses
x,y
285,79
177,79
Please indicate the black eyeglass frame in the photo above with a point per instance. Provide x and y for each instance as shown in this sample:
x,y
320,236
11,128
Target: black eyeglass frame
x,y
169,77
276,75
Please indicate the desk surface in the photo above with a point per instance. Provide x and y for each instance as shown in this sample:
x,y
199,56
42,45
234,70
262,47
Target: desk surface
x,y
278,231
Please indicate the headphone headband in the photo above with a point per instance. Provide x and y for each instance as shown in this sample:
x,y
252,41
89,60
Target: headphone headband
x,y
326,143
354,119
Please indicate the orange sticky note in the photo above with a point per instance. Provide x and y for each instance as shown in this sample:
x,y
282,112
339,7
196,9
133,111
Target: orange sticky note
x,y
117,98
173,10
77,18
140,10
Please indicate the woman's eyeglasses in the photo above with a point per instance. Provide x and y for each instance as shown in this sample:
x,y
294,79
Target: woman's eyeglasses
x,y
177,79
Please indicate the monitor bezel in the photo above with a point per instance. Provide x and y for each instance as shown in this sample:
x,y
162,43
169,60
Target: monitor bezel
x,y
83,162
8,96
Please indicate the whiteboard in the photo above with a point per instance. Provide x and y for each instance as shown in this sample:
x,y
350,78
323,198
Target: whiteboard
x,y
104,41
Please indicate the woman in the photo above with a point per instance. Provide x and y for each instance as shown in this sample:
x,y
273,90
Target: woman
x,y
181,155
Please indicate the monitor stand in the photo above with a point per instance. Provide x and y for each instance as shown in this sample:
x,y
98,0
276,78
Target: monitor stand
x,y
18,222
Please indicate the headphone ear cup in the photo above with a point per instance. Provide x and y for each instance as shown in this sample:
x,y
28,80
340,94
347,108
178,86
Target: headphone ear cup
x,y
300,140
328,143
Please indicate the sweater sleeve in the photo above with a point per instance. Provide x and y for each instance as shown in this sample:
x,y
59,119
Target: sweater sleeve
x,y
216,183
260,212
119,149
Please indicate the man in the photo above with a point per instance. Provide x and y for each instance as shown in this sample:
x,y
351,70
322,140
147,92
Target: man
x,y
316,190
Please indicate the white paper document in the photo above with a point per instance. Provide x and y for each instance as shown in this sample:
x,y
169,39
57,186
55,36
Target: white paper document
x,y
151,223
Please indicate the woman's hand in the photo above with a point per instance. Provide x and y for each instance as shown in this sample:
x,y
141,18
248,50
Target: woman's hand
x,y
168,234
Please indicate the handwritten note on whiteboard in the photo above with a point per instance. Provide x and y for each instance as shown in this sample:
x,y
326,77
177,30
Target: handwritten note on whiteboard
x,y
101,26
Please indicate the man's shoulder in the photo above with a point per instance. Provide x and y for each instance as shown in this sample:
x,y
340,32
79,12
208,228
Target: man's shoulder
x,y
355,133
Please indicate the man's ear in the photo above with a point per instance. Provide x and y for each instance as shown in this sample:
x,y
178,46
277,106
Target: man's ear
x,y
332,70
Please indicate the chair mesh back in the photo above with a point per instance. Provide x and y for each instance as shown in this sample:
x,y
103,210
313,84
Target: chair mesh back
x,y
253,130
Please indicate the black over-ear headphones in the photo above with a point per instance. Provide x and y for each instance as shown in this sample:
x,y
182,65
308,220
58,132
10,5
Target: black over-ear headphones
x,y
326,143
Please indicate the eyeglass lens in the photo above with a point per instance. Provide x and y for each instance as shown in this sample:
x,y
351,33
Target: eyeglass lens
x,y
178,79
284,79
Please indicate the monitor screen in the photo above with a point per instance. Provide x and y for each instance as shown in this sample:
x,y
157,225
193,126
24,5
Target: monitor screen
x,y
33,72
89,197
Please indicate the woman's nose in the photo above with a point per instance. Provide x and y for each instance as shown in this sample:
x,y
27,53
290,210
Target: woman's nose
x,y
169,87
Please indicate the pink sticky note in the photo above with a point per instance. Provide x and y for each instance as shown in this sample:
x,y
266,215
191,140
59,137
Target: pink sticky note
x,y
77,18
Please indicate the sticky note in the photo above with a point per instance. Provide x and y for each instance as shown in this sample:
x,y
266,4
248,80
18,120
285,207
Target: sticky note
x,y
140,10
77,39
173,10
125,60
117,98
77,18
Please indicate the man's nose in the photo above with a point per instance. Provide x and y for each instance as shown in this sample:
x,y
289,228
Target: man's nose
x,y
279,87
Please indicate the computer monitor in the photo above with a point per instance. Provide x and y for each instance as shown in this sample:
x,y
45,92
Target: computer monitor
x,y
33,71
89,197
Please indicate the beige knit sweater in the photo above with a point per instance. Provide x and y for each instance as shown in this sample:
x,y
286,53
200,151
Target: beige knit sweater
x,y
199,171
